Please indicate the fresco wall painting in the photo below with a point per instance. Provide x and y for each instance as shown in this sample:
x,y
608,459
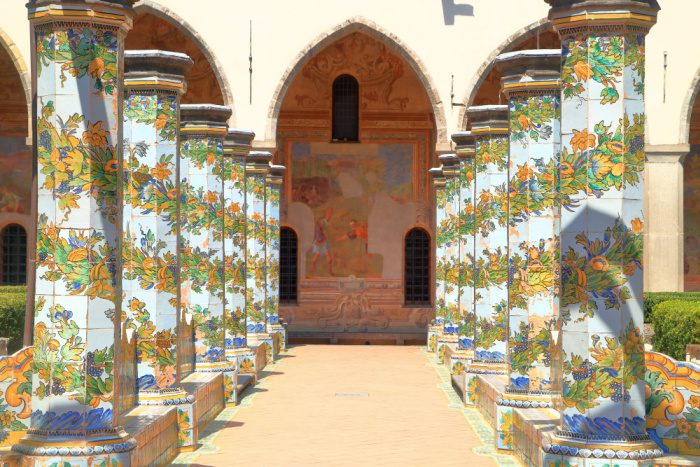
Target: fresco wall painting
x,y
691,220
602,224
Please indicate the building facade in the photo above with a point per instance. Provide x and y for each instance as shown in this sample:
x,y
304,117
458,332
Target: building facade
x,y
358,100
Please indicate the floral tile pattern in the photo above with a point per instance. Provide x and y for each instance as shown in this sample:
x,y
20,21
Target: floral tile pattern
x,y
255,251
272,251
202,242
77,150
466,231
601,175
149,240
234,248
533,240
491,256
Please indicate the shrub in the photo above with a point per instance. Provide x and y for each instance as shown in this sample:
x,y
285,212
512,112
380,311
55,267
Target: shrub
x,y
13,289
12,309
676,324
651,299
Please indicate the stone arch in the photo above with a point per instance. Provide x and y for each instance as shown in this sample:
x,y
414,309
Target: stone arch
x,y
206,63
363,25
523,38
15,64
690,109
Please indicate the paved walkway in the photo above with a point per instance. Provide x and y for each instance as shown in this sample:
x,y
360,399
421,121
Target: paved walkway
x,y
348,405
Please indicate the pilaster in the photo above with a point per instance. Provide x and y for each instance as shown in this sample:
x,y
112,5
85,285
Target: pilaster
x,y
154,83
663,237
530,80
77,62
602,223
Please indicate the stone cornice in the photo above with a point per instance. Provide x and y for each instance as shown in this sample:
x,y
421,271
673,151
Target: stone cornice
x,y
488,119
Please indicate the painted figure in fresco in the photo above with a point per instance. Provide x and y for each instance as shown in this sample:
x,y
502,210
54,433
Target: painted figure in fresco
x,y
358,230
320,245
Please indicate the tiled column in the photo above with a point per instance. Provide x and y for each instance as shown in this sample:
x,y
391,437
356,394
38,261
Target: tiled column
x,y
602,195
236,148
465,229
202,131
490,130
154,82
436,327
447,269
275,178
530,81
78,67
257,166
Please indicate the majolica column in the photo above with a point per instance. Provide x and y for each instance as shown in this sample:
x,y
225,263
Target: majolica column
x,y
465,230
257,166
490,131
436,327
602,196
448,267
203,128
236,148
154,83
275,178
78,66
530,81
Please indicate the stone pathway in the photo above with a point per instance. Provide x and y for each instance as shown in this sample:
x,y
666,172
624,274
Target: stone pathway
x,y
349,405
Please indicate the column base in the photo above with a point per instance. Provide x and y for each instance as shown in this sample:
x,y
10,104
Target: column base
x,y
434,333
265,341
505,403
443,342
279,333
457,360
229,370
186,429
104,447
586,452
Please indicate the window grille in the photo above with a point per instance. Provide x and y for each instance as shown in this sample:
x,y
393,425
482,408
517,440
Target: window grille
x,y
14,255
288,265
346,97
417,268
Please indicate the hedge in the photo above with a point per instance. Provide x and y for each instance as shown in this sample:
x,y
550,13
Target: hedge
x,y
651,299
676,324
12,309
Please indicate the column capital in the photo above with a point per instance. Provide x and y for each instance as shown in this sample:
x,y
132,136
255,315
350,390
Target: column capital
x,y
464,144
450,165
258,162
117,14
156,70
530,72
437,177
488,119
666,153
204,120
605,15
275,175
238,142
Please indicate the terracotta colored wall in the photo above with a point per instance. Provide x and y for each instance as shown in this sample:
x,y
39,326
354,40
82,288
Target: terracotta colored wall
x,y
351,204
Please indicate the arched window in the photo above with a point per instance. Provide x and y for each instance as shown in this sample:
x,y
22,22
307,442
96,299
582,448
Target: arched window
x,y
346,99
288,265
417,268
14,255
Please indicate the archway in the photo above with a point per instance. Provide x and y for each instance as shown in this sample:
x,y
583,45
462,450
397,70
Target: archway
x,y
352,201
485,87
691,190
156,27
